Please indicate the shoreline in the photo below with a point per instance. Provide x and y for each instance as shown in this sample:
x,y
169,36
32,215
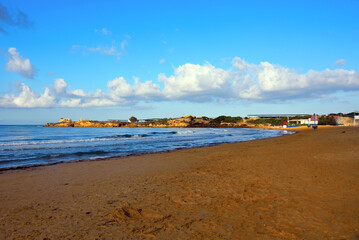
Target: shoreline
x,y
297,186
2,170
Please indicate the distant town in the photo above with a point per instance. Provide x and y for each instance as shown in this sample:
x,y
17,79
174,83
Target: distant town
x,y
251,121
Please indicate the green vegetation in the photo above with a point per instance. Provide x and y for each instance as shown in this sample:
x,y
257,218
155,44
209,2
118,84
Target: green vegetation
x,y
158,121
162,121
273,121
228,119
351,114
327,120
300,117
133,119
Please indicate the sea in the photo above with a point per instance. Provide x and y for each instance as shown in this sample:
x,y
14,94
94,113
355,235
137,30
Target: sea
x,y
22,146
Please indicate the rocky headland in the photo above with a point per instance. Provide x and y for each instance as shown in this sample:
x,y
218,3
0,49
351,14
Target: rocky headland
x,y
67,122
185,121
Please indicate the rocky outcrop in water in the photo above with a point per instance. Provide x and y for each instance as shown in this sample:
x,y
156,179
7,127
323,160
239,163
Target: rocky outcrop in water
x,y
59,124
83,123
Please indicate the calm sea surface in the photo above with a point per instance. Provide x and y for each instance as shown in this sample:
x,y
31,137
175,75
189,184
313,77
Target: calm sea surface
x,y
33,145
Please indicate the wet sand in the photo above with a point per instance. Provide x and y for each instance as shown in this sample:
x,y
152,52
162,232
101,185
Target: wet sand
x,y
301,186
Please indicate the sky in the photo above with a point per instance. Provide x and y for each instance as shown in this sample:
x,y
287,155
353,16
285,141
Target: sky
x,y
116,59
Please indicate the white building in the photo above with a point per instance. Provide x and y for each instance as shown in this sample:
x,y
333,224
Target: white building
x,y
311,121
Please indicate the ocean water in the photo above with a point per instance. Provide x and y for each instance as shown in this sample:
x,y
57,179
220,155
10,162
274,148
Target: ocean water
x,y
33,145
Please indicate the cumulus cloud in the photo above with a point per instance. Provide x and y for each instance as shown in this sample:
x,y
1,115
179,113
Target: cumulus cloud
x,y
197,83
16,18
162,61
60,85
120,92
19,64
57,95
340,62
119,88
269,81
27,98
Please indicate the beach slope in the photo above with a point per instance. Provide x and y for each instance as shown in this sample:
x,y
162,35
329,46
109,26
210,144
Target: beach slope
x,y
300,186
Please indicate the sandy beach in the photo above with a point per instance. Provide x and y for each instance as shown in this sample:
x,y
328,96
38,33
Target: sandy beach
x,y
300,186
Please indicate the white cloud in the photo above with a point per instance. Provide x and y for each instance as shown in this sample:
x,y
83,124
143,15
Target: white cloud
x,y
148,90
54,96
162,61
192,82
27,98
19,64
340,62
60,85
269,81
78,92
196,82
121,90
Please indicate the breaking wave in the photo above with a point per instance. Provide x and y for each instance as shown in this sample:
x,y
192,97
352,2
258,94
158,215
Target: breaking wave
x,y
32,145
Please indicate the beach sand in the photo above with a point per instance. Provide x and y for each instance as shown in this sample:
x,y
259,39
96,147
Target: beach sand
x,y
300,186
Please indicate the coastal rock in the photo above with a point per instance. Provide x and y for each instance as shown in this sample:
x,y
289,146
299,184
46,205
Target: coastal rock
x,y
183,122
109,124
82,123
157,125
62,124
89,124
178,123
186,119
65,120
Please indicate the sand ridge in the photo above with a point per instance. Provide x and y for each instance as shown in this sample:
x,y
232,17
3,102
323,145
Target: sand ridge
x,y
301,186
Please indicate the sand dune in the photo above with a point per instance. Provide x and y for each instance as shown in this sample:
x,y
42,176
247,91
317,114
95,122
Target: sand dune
x,y
301,186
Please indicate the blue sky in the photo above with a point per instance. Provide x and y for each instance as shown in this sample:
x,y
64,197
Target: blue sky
x,y
114,59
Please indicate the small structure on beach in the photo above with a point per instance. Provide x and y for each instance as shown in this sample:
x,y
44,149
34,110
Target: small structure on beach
x,y
281,120
356,120
313,120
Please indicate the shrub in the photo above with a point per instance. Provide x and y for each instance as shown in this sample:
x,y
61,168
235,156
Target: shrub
x,y
133,119
273,121
228,119
327,120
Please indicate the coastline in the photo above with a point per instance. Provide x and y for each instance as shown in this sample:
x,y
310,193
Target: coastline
x,y
296,186
104,158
